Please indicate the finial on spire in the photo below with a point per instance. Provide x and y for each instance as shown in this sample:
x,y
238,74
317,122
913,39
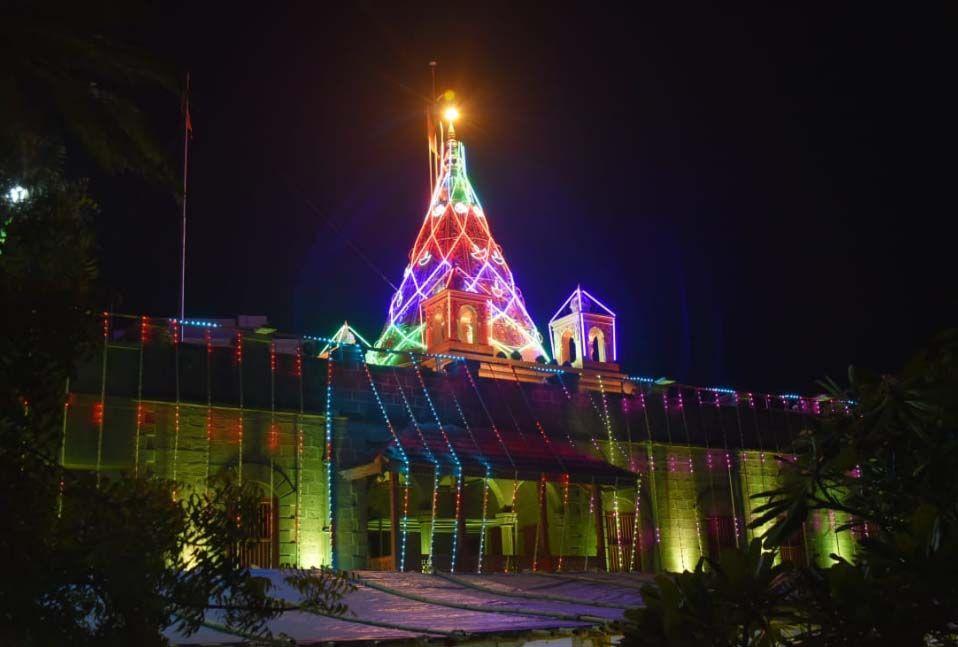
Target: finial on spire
x,y
450,113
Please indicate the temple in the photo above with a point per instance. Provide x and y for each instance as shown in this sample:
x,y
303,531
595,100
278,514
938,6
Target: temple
x,y
455,442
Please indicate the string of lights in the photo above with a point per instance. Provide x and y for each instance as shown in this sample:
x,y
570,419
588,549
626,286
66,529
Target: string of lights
x,y
485,480
100,412
457,465
650,457
238,356
496,433
671,471
548,443
208,335
743,468
728,470
328,460
144,327
680,403
405,468
300,450
613,443
177,337
432,459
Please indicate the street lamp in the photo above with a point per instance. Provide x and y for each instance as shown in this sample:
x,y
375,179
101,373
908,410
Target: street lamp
x,y
17,194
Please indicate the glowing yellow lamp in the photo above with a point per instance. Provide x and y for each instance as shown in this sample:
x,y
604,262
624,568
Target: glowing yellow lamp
x,y
450,114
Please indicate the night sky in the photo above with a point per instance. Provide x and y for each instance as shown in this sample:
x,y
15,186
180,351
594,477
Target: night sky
x,y
761,197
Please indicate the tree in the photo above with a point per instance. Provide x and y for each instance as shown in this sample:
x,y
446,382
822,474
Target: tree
x,y
738,600
112,562
116,561
66,79
888,465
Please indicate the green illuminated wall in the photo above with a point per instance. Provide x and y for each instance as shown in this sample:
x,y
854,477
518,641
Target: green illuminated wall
x,y
282,454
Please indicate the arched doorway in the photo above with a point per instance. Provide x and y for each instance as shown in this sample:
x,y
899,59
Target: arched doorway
x,y
261,548
468,324
597,345
567,349
437,329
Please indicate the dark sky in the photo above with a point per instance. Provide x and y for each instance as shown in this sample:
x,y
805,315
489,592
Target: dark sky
x,y
761,196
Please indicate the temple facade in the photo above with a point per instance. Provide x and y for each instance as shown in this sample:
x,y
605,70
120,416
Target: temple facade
x,y
456,441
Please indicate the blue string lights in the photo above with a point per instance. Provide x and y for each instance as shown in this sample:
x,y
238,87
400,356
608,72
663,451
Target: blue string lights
x,y
330,517
197,323
457,465
405,469
432,459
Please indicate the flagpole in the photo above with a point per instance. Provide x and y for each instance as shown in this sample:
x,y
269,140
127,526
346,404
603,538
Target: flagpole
x,y
431,131
186,158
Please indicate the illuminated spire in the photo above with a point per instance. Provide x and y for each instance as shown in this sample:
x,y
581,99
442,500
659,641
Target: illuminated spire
x,y
455,249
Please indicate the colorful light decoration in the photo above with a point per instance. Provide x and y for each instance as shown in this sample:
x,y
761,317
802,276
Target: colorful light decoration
x,y
671,470
346,335
209,403
637,542
791,403
612,444
330,517
743,466
405,469
728,469
99,408
238,356
502,444
457,465
177,338
565,519
432,459
273,442
63,447
650,457
197,323
541,492
455,249
680,404
485,480
577,302
300,449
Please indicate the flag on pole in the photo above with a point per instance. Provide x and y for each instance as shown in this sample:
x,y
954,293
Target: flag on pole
x,y
186,108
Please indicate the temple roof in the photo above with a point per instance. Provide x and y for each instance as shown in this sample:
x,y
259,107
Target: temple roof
x,y
506,454
455,249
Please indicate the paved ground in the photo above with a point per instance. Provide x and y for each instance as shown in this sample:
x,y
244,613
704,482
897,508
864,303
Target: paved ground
x,y
409,606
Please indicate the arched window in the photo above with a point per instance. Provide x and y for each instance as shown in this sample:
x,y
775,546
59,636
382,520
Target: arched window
x,y
468,324
567,347
437,329
597,344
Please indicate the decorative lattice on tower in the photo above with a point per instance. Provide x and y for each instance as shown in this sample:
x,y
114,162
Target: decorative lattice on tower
x,y
455,251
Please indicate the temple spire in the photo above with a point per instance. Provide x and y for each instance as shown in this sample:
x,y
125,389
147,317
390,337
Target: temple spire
x,y
455,250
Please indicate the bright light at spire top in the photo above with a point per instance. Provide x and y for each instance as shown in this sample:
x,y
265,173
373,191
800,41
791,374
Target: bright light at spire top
x,y
450,114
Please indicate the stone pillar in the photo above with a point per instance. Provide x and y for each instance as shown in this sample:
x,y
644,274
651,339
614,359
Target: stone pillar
x,y
425,531
463,557
599,527
545,555
507,525
395,530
